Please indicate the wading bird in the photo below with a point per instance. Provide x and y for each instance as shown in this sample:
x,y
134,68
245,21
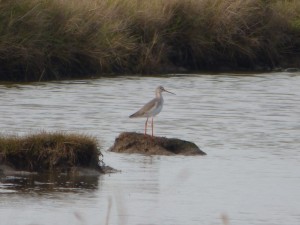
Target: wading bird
x,y
152,108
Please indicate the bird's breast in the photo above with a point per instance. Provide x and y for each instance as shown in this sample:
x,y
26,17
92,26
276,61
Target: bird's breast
x,y
157,109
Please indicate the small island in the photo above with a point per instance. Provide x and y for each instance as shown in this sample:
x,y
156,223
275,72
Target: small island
x,y
131,142
54,152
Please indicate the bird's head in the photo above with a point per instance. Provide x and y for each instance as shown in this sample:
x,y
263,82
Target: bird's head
x,y
161,89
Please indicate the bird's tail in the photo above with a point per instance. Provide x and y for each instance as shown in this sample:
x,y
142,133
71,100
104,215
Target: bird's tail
x,y
133,115
137,114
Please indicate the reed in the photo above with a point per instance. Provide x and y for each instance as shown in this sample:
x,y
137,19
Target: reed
x,y
59,39
46,151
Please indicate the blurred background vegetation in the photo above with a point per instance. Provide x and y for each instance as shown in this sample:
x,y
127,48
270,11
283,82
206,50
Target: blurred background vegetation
x,y
60,39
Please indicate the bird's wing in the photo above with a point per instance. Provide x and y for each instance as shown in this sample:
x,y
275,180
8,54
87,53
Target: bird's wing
x,y
148,108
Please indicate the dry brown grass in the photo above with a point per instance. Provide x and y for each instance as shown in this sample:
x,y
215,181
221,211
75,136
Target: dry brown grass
x,y
42,39
49,151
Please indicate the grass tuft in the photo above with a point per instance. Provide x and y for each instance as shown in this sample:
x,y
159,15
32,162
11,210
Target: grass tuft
x,y
49,151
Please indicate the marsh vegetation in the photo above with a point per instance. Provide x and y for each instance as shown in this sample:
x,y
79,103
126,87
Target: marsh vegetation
x,y
42,40
46,151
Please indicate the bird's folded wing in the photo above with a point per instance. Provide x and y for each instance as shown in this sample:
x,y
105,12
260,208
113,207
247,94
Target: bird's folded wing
x,y
146,109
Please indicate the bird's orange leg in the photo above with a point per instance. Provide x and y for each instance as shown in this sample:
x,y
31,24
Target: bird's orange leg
x,y
146,126
152,126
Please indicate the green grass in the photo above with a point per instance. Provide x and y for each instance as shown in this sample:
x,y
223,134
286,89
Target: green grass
x,y
59,39
46,151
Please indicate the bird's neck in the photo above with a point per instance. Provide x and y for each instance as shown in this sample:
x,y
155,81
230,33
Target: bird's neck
x,y
158,94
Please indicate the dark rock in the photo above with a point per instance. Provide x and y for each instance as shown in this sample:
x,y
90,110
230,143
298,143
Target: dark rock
x,y
84,171
278,69
130,142
292,70
6,170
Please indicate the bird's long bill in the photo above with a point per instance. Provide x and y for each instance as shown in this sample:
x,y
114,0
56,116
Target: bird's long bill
x,y
169,92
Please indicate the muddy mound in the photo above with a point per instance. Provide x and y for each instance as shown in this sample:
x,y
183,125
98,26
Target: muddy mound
x,y
129,142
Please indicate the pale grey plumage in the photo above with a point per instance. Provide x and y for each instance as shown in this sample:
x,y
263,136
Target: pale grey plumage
x,y
152,108
148,109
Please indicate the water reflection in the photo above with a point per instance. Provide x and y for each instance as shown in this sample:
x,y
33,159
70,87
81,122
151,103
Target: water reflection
x,y
48,182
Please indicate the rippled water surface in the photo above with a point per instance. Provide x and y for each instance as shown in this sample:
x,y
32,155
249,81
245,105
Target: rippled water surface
x,y
249,126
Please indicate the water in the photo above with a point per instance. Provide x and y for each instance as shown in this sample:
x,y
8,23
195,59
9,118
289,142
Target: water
x,y
249,125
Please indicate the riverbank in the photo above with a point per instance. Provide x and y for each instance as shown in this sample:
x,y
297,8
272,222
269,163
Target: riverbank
x,y
59,39
60,152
